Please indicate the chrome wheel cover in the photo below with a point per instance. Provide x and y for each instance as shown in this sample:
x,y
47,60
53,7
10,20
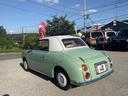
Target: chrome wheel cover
x,y
62,80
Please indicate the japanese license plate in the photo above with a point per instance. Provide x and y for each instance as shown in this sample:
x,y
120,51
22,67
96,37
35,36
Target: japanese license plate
x,y
101,68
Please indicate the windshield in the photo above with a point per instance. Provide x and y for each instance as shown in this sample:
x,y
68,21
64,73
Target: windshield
x,y
110,34
96,34
73,42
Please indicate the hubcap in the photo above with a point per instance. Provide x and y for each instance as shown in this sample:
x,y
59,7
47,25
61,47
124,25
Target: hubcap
x,y
62,79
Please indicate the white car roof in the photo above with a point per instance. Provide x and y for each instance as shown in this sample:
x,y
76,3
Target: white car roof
x,y
60,37
55,42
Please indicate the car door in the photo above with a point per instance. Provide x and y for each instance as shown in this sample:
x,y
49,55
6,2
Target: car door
x,y
43,62
34,59
37,56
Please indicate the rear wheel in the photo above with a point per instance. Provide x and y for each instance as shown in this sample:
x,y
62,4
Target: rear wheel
x,y
25,65
100,40
62,80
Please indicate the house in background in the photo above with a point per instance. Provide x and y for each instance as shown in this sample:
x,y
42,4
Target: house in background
x,y
116,25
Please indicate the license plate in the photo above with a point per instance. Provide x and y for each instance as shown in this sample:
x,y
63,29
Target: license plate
x,y
101,68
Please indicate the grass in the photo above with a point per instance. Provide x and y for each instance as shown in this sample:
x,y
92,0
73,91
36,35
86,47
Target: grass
x,y
14,49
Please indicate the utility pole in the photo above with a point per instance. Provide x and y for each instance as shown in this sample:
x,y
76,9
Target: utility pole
x,y
23,37
85,15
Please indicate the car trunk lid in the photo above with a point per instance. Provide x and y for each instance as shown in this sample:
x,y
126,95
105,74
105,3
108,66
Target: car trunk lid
x,y
95,60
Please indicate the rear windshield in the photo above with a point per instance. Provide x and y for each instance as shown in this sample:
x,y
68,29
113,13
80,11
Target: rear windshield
x,y
73,42
96,34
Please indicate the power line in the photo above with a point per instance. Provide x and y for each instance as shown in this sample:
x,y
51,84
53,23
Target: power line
x,y
53,8
110,9
110,4
24,10
104,6
111,17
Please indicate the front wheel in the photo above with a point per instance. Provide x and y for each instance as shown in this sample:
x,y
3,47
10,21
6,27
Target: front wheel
x,y
25,65
62,80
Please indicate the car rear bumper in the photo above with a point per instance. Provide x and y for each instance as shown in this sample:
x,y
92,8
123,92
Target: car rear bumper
x,y
92,81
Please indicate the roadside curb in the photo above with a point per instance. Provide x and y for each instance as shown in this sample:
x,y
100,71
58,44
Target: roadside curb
x,y
5,56
1,54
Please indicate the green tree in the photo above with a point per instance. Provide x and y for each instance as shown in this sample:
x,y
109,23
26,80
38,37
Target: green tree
x,y
2,30
60,26
31,40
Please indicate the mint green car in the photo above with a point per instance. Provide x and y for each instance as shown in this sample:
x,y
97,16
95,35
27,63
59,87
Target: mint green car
x,y
67,59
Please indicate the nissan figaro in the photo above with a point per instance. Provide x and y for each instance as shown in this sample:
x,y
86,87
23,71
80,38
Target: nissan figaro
x,y
69,60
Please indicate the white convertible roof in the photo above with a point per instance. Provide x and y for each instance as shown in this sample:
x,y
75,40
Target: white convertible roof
x,y
55,42
60,37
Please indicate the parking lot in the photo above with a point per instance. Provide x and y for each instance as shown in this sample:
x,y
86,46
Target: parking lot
x,y
16,82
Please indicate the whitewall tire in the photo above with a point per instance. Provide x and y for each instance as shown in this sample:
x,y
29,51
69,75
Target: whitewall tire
x,y
25,65
62,80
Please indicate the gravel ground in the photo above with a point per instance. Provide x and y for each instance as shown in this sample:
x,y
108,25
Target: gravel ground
x,y
16,82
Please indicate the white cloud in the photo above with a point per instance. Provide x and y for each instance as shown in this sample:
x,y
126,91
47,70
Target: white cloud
x,y
39,1
52,1
99,24
92,10
11,31
75,6
47,1
56,1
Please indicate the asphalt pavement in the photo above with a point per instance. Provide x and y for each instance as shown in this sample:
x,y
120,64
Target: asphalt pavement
x,y
14,81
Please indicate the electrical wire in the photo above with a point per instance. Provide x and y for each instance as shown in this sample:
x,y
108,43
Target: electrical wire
x,y
23,10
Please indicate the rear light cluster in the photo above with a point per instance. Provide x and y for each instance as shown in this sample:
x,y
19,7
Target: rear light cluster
x,y
87,75
85,68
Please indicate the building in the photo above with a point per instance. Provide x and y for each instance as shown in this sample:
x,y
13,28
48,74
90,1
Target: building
x,y
116,25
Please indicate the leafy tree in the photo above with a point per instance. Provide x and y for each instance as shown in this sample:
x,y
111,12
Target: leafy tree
x,y
2,30
60,26
31,40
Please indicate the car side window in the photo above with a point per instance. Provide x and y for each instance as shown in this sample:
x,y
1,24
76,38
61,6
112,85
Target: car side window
x,y
44,45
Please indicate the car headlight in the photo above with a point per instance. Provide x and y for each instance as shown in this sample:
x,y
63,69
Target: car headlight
x,y
126,40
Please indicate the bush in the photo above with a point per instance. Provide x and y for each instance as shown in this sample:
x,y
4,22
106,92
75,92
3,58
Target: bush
x,y
5,42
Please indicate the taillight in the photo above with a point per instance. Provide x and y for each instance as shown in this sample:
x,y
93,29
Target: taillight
x,y
84,67
110,65
87,75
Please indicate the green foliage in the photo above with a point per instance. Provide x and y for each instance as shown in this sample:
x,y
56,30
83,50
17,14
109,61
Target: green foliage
x,y
13,49
31,40
4,41
2,31
60,26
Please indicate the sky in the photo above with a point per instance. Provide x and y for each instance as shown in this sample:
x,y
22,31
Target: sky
x,y
28,14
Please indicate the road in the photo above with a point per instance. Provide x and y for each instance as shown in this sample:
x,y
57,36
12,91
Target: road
x,y
16,82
